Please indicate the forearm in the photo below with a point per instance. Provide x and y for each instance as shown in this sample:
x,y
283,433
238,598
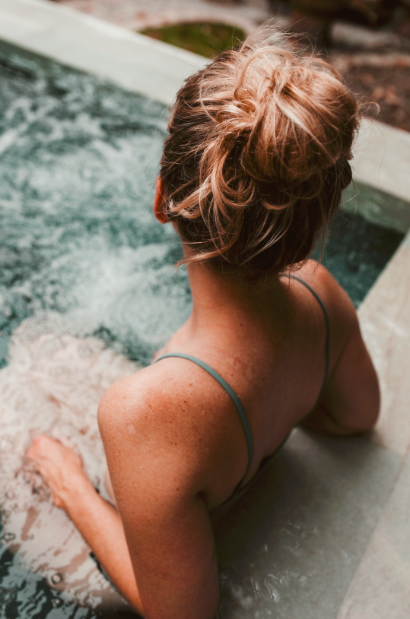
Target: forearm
x,y
101,527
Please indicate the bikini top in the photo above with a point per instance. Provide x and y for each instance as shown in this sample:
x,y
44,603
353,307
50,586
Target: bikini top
x,y
240,489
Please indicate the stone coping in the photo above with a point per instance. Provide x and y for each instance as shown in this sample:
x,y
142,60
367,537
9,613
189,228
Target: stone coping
x,y
83,42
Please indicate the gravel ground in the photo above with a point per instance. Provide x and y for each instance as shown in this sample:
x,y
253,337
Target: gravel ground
x,y
375,64
385,90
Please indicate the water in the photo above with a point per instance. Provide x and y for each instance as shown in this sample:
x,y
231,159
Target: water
x,y
88,292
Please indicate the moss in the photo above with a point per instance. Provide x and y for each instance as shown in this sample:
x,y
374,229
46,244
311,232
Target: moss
x,y
204,38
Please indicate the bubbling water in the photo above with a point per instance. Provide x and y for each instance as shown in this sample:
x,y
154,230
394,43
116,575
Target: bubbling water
x,y
52,385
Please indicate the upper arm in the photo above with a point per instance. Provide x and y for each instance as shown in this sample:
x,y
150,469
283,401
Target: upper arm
x,y
165,520
351,396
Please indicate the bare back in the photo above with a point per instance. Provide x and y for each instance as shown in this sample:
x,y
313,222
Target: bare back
x,y
274,359
272,354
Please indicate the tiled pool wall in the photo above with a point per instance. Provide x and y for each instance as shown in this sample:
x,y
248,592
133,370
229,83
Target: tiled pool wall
x,y
82,255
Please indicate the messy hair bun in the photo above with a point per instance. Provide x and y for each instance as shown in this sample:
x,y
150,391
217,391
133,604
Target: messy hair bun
x,y
257,156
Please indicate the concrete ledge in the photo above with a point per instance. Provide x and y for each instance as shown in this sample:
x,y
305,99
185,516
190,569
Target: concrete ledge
x,y
385,320
382,158
377,207
131,60
380,587
157,70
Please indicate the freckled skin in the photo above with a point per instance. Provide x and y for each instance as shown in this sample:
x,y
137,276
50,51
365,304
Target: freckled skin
x,y
175,446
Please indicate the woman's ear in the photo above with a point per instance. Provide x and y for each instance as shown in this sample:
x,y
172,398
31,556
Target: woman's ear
x,y
159,203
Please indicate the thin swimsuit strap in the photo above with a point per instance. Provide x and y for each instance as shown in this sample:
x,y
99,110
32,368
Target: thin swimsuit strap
x,y
327,335
235,398
231,392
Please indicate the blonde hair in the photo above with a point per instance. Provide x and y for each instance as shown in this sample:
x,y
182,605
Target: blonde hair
x,y
257,156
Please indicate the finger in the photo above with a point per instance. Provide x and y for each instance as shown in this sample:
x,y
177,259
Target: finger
x,y
39,469
57,501
34,448
42,444
31,453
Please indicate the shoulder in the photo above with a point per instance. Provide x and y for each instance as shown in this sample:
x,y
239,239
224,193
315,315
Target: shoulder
x,y
337,302
157,394
166,415
338,305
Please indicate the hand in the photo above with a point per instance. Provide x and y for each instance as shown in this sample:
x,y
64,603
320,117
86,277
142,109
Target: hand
x,y
61,468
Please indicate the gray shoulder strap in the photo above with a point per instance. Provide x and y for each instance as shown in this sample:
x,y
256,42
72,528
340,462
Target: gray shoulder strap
x,y
327,337
231,392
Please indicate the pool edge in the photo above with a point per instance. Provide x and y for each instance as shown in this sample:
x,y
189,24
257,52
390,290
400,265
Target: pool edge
x,y
157,70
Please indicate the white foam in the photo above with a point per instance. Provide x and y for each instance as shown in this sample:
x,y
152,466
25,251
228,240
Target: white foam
x,y
52,385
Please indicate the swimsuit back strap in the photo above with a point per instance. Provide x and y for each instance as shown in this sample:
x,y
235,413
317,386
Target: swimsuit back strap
x,y
231,392
327,338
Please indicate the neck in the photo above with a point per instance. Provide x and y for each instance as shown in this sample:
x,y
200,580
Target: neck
x,y
219,299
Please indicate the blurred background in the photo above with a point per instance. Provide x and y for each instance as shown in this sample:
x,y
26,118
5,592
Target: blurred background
x,y
368,41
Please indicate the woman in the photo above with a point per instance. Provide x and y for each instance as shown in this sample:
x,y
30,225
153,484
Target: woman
x,y
251,174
